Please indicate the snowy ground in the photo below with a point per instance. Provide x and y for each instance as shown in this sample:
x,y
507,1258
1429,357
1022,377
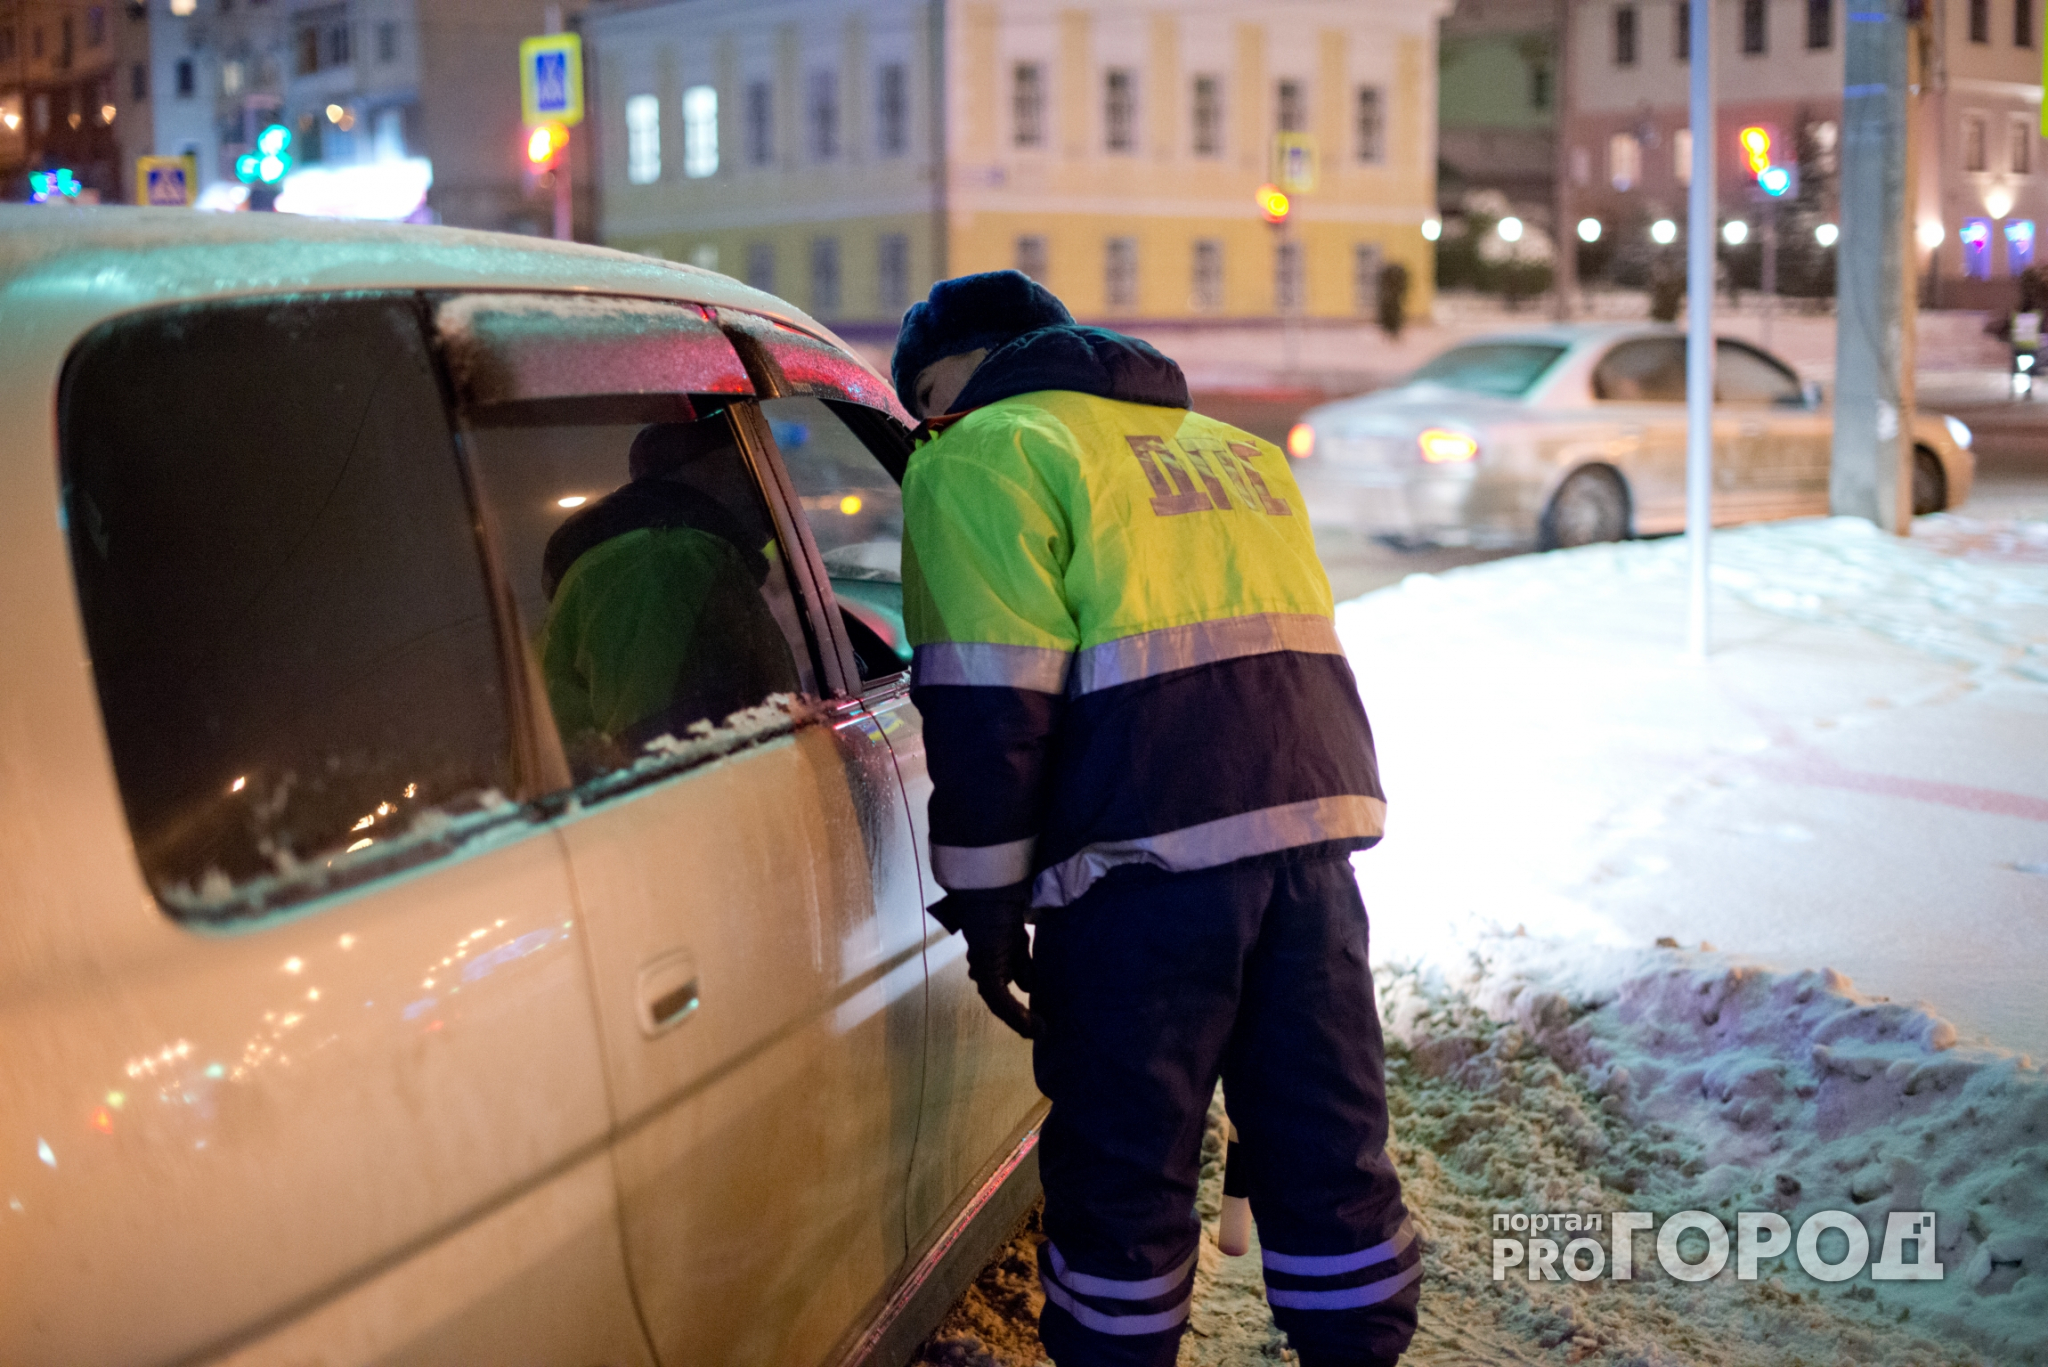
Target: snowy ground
x,y
1855,785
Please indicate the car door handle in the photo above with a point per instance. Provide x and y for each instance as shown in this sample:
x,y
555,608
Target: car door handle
x,y
668,992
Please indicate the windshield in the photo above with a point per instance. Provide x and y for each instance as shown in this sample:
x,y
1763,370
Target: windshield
x,y
1506,369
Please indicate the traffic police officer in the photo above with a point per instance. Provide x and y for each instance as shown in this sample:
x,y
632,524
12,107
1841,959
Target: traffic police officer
x,y
1141,725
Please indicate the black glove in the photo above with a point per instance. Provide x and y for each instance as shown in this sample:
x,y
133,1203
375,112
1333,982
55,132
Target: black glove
x,y
998,948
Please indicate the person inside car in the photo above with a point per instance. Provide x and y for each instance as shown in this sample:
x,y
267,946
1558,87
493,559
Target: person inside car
x,y
656,617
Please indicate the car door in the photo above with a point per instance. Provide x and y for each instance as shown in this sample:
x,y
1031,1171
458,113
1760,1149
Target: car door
x,y
1639,385
741,852
980,1097
1779,448
300,1059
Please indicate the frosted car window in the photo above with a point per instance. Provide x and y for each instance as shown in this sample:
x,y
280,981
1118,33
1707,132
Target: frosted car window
x,y
649,584
1506,369
505,348
855,512
1647,370
787,362
283,597
1747,377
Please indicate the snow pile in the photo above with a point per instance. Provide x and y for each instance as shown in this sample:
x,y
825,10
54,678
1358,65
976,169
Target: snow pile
x,y
1707,1083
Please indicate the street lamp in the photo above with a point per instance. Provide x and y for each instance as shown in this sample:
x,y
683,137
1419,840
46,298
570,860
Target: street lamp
x,y
1589,230
1664,232
1735,232
1826,234
1509,228
1432,229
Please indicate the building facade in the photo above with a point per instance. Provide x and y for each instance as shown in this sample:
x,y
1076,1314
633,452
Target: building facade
x,y
1497,103
845,155
380,95
1980,190
61,94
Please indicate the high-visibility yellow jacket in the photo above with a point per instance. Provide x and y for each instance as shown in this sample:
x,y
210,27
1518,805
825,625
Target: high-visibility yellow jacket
x,y
1124,645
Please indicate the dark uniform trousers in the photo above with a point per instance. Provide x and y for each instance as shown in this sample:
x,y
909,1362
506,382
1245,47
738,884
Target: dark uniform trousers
x,y
1151,985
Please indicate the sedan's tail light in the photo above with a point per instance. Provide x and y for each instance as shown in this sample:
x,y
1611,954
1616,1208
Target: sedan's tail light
x,y
1301,441
1441,446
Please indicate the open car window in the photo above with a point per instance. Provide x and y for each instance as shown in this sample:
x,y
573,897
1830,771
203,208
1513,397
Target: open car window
x,y
652,594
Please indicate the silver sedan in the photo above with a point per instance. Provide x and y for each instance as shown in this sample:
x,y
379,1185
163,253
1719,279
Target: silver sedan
x,y
1575,434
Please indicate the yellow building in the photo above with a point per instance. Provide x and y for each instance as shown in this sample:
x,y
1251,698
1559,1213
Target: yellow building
x,y
844,155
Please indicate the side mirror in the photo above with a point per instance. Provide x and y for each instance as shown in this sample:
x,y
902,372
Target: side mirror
x,y
1810,392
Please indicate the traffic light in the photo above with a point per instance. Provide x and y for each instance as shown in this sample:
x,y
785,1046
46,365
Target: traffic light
x,y
544,144
1273,204
1773,180
270,161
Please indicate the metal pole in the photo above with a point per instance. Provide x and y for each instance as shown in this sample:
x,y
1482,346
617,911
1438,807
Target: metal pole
x,y
1699,348
1770,280
1564,270
564,230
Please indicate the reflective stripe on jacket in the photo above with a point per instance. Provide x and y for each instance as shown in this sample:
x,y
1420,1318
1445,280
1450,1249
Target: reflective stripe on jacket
x,y
1125,650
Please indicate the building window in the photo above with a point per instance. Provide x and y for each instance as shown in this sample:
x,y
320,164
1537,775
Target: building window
x,y
187,81
1820,23
6,43
1208,116
1287,277
1625,35
1976,239
39,111
387,41
643,139
1974,158
387,137
1291,107
2023,28
1682,36
1206,293
1624,161
1365,278
1372,124
1539,85
138,82
761,266
1980,21
1681,156
2019,244
1755,27
892,272
825,277
1031,256
892,109
1119,111
232,76
35,42
760,123
700,131
2021,160
1027,105
323,39
1120,273
95,26
824,109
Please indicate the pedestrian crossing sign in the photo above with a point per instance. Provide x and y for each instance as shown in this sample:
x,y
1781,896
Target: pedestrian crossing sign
x,y
167,182
551,79
1294,162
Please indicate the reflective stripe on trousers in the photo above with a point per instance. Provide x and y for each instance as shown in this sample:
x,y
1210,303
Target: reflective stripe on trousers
x,y
1384,1283
1213,843
1065,1287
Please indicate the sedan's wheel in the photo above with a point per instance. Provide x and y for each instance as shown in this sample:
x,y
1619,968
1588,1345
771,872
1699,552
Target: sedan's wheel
x,y
1930,483
1591,505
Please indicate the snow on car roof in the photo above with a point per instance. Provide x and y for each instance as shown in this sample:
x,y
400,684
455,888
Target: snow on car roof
x,y
112,259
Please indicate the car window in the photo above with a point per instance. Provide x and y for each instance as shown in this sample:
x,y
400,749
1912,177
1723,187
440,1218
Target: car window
x,y
855,512
1506,369
1646,370
1743,375
283,598
652,595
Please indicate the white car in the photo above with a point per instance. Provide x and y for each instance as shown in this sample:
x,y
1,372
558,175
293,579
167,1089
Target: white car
x,y
369,993
1572,434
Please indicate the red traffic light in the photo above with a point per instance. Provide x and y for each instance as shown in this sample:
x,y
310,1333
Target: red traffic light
x,y
1273,204
544,142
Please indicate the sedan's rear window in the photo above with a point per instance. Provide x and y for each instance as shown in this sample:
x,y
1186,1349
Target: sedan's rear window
x,y
283,596
1505,369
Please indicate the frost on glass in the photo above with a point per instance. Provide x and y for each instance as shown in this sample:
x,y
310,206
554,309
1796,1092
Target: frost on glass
x,y
283,599
508,348
797,363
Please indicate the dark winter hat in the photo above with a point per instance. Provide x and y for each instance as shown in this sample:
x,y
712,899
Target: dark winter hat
x,y
968,312
660,448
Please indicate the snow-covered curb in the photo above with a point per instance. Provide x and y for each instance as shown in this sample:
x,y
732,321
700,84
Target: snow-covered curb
x,y
1792,1093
